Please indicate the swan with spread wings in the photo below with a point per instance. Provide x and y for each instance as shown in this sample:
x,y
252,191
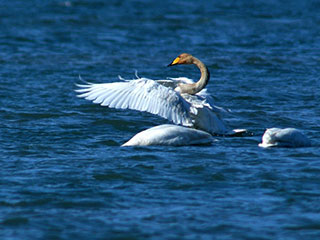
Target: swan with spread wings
x,y
180,100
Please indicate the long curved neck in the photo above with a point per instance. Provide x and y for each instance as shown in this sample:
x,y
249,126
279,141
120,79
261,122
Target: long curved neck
x,y
201,84
205,74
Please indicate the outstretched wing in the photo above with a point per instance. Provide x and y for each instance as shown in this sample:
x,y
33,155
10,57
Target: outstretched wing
x,y
142,95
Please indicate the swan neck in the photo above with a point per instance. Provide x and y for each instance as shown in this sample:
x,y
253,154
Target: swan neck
x,y
205,75
194,88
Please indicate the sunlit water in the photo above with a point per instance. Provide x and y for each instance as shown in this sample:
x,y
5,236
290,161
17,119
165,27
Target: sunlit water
x,y
63,172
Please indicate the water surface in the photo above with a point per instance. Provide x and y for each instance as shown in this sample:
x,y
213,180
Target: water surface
x,y
64,174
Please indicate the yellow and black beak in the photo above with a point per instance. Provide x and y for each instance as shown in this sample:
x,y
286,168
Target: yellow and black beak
x,y
175,62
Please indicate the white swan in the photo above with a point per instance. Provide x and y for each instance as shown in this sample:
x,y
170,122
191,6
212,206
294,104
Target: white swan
x,y
178,99
172,135
287,137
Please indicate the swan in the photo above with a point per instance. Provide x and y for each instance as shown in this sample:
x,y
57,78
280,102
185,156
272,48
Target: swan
x,y
180,100
287,137
169,134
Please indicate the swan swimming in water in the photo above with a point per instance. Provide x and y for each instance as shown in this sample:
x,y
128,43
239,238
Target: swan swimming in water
x,y
287,137
179,100
169,134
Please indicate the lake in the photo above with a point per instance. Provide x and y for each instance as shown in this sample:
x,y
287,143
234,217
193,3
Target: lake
x,y
64,174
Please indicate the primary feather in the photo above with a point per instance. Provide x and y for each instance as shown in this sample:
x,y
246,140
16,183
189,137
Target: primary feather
x,y
142,95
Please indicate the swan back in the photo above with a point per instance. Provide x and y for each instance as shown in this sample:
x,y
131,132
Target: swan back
x,y
170,135
287,137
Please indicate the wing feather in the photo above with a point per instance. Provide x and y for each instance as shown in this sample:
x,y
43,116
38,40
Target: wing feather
x,y
122,102
142,95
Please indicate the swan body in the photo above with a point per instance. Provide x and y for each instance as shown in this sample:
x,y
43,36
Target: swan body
x,y
287,137
155,97
170,135
180,100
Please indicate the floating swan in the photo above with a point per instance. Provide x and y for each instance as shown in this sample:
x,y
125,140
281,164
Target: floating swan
x,y
179,100
172,135
287,137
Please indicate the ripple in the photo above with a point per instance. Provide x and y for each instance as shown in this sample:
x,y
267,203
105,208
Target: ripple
x,y
109,176
15,221
143,157
314,226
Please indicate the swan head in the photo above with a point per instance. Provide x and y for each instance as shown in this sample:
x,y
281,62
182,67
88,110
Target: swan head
x,y
192,88
183,58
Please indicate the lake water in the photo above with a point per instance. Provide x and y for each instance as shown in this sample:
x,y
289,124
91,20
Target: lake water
x,y
63,173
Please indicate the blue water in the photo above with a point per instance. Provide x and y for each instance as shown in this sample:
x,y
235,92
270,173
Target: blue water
x,y
63,173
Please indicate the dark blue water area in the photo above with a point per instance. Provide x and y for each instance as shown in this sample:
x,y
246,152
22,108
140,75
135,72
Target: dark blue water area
x,y
63,173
